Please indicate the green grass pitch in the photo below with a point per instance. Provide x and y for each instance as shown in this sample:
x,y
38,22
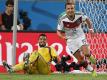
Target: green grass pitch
x,y
52,77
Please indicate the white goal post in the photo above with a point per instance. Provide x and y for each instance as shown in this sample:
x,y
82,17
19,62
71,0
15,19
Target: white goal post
x,y
14,32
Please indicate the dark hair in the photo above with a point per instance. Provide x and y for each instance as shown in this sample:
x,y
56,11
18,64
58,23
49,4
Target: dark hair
x,y
43,34
11,2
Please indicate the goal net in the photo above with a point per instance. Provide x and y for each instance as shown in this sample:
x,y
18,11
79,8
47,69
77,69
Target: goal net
x,y
96,10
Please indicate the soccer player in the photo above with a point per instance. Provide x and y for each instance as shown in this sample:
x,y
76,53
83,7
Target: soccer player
x,y
70,22
39,61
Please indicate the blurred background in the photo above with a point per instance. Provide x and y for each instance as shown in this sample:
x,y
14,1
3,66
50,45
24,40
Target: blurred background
x,y
43,14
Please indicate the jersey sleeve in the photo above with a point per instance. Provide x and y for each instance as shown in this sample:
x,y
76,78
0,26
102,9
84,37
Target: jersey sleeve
x,y
53,52
60,25
33,56
84,17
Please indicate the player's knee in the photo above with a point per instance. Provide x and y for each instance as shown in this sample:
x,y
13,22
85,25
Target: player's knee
x,y
87,55
84,64
58,67
80,59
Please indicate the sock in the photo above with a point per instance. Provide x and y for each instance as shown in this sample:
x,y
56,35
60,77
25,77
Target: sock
x,y
18,67
89,68
92,59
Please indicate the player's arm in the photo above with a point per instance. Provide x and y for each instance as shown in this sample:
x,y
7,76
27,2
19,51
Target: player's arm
x,y
60,30
61,34
89,23
56,60
55,57
33,56
90,26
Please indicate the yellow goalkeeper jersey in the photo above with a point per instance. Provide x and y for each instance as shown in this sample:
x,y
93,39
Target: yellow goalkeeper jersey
x,y
39,60
46,54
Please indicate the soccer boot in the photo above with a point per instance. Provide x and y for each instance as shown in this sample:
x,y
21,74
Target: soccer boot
x,y
94,74
26,60
8,68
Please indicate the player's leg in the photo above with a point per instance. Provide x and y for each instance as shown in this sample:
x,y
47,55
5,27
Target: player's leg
x,y
80,57
42,66
18,67
32,69
86,51
22,65
15,68
74,45
38,66
30,65
7,66
84,63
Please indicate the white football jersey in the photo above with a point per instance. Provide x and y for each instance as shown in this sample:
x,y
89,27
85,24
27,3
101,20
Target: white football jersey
x,y
72,28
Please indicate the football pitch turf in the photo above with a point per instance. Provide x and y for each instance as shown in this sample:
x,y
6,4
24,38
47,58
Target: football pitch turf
x,y
52,77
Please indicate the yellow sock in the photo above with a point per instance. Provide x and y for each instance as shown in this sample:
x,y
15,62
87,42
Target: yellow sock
x,y
92,59
18,67
94,73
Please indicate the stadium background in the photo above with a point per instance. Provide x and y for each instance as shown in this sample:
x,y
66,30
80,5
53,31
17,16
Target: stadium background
x,y
44,15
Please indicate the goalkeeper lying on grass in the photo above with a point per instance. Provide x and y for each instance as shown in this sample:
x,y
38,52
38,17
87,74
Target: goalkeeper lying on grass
x,y
38,62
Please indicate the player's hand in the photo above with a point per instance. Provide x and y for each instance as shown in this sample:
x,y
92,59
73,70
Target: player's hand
x,y
92,33
64,37
21,26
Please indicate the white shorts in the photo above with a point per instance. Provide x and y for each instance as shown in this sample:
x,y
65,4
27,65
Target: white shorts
x,y
75,44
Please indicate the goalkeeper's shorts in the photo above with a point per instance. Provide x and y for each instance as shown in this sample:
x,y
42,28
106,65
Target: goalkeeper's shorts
x,y
40,66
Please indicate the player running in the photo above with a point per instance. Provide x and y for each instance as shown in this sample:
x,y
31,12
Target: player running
x,y
70,22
